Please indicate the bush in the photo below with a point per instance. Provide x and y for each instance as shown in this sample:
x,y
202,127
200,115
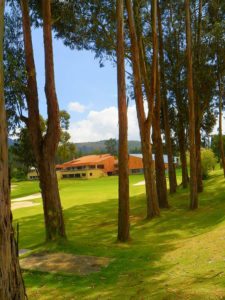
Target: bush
x,y
208,161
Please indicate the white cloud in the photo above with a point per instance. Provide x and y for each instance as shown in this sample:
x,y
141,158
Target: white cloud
x,y
101,125
77,107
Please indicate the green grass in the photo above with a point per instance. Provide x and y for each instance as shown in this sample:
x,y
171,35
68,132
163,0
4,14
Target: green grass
x,y
179,255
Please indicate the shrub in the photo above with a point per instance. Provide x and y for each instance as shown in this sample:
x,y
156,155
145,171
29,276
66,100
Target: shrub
x,y
208,161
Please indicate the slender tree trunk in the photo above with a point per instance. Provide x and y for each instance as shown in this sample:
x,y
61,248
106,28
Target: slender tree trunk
x,y
144,123
54,223
182,150
198,156
44,147
149,174
11,281
171,167
197,103
159,161
193,165
123,213
221,125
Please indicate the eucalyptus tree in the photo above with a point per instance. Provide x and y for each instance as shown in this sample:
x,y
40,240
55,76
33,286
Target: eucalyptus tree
x,y
154,100
44,146
165,107
216,35
145,121
11,281
191,99
123,212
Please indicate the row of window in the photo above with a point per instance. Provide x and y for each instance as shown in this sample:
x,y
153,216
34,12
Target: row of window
x,y
85,167
34,177
78,175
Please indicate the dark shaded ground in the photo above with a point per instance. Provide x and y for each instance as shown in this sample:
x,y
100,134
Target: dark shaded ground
x,y
64,263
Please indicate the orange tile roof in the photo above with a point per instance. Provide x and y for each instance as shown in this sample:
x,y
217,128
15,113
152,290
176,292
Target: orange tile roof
x,y
85,160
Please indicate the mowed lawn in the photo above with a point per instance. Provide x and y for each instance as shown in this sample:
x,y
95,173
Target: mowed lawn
x,y
180,255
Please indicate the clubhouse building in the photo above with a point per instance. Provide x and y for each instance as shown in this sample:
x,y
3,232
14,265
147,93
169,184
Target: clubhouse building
x,y
96,166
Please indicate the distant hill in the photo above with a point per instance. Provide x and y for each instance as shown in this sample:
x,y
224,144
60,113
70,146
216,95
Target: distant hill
x,y
99,147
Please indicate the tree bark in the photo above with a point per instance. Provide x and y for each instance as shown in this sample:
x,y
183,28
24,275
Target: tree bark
x,y
182,150
123,212
171,167
44,146
11,281
159,161
193,165
157,141
145,124
221,122
198,112
198,155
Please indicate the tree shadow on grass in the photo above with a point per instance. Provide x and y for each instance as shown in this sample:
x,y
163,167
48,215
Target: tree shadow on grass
x,y
137,269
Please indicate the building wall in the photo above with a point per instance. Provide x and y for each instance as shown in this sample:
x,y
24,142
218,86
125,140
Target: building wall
x,y
135,163
32,175
108,164
82,174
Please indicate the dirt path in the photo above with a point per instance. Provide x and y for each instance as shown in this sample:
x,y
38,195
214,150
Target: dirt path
x,y
139,183
30,197
22,204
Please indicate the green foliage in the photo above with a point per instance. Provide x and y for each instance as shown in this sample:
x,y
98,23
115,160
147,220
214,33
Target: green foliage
x,y
215,145
15,87
208,161
111,146
21,155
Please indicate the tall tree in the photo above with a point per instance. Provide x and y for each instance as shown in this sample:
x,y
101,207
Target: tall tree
x,y
197,100
192,145
156,132
44,146
157,140
123,213
11,281
221,146
145,122
172,172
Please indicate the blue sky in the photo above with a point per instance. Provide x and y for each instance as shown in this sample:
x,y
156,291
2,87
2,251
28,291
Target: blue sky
x,y
86,91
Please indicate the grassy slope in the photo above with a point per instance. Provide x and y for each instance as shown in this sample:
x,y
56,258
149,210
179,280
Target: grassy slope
x,y
177,256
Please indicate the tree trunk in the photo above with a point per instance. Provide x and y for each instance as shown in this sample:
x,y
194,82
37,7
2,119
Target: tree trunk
x,y
144,123
54,223
182,150
159,161
198,112
171,167
149,174
193,165
198,157
123,212
11,281
221,124
44,147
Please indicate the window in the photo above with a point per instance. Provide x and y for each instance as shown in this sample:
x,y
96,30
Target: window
x,y
83,174
90,174
100,166
136,171
77,175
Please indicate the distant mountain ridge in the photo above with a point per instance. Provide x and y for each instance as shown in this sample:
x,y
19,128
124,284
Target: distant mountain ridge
x,y
99,147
